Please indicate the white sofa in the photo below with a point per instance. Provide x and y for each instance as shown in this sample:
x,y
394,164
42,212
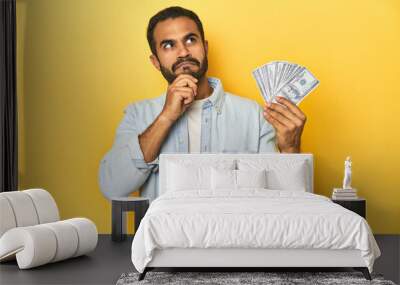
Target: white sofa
x,y
31,231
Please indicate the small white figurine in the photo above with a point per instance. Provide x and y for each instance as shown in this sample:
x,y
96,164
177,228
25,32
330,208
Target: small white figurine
x,y
347,174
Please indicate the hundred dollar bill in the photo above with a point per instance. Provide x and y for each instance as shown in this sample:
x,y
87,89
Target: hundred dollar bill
x,y
299,87
282,78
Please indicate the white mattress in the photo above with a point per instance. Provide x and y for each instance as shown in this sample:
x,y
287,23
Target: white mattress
x,y
250,218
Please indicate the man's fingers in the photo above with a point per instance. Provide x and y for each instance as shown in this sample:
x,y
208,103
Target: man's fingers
x,y
187,77
184,89
275,123
186,95
284,111
288,120
282,119
185,82
292,107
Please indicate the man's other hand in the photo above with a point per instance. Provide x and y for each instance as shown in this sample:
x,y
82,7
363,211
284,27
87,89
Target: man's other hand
x,y
288,121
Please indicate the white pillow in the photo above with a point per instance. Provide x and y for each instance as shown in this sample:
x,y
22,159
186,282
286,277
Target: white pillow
x,y
186,175
289,179
223,179
237,179
251,178
283,174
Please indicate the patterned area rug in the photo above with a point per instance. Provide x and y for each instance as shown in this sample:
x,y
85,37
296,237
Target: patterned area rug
x,y
225,278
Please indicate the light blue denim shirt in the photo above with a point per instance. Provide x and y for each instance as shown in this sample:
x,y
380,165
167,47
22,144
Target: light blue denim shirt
x,y
229,124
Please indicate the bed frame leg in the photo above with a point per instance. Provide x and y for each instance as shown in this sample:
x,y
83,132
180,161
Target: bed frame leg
x,y
364,271
143,274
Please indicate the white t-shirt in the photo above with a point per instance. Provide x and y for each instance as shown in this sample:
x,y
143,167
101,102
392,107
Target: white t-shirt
x,y
194,124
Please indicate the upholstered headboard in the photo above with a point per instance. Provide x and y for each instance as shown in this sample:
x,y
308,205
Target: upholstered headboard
x,y
212,158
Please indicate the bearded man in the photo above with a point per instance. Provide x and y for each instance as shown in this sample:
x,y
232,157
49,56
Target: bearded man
x,y
194,115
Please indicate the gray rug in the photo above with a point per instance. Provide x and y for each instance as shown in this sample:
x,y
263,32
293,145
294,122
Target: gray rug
x,y
225,278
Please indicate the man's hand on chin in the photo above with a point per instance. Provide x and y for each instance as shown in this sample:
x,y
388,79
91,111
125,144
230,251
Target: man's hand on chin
x,y
288,121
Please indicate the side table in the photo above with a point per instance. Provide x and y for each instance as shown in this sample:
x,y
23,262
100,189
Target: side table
x,y
120,206
358,205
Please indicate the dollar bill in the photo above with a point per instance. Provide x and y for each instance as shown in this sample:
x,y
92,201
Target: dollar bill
x,y
282,78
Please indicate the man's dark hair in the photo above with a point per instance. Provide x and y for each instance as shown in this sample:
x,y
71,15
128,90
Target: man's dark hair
x,y
170,13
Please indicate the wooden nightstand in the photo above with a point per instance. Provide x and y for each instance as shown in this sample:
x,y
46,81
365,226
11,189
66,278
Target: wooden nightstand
x,y
358,205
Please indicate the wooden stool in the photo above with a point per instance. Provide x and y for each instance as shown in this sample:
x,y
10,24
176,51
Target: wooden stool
x,y
120,206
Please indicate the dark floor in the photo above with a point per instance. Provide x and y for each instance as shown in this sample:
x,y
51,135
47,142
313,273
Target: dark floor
x,y
110,260
389,262
102,266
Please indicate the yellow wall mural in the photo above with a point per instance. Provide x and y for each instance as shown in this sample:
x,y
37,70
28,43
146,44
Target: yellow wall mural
x,y
80,63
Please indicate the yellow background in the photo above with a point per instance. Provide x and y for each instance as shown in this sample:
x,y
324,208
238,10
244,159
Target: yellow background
x,y
80,63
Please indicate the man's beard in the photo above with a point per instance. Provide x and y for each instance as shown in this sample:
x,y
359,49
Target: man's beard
x,y
171,76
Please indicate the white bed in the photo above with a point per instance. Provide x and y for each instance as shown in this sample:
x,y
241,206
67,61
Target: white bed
x,y
198,222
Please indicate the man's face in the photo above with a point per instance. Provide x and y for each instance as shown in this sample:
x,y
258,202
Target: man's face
x,y
180,49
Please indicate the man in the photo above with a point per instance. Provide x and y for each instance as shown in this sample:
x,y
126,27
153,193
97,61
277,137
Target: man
x,y
194,115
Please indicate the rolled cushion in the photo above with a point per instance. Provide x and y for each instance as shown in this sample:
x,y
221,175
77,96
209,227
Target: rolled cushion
x,y
37,245
7,218
33,246
26,208
23,208
46,207
66,238
87,234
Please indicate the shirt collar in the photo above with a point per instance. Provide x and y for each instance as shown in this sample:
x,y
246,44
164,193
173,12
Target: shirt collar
x,y
217,97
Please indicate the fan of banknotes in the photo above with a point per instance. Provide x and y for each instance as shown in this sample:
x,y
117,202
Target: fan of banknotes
x,y
281,78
